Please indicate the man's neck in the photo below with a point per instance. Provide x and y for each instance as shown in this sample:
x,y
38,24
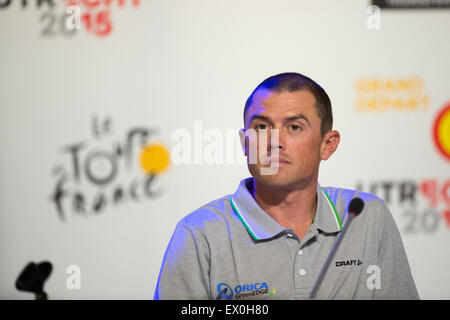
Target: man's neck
x,y
291,207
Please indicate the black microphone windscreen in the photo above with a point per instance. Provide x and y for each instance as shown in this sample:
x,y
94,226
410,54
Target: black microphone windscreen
x,y
356,206
29,279
45,268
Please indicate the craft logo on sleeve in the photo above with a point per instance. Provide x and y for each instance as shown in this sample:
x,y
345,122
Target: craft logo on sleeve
x,y
350,262
107,169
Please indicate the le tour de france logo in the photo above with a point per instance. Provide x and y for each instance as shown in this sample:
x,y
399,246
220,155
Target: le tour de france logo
x,y
107,169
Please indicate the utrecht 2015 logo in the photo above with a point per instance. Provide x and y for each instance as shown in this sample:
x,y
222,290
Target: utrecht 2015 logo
x,y
94,16
425,202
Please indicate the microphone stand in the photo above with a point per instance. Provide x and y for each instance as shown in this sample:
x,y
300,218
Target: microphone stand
x,y
355,207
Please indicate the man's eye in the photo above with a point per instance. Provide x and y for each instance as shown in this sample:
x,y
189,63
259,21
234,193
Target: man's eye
x,y
295,127
261,126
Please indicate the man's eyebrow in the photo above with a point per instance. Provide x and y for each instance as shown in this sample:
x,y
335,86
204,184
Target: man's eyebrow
x,y
300,116
261,117
297,117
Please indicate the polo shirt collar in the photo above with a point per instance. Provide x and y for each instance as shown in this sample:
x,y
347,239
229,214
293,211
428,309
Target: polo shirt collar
x,y
262,226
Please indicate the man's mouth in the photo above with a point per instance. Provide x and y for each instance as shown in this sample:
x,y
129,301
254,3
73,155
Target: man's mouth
x,y
278,160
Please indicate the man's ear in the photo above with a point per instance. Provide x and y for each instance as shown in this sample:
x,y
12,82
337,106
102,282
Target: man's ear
x,y
242,140
329,144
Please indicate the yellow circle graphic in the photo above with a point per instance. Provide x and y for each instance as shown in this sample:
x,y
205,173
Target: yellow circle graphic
x,y
442,131
154,158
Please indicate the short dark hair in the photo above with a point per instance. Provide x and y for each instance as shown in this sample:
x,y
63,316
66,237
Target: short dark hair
x,y
291,82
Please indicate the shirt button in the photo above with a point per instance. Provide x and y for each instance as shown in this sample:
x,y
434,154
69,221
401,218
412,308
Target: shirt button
x,y
302,272
300,252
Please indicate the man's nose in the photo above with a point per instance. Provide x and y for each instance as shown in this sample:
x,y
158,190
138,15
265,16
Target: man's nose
x,y
275,140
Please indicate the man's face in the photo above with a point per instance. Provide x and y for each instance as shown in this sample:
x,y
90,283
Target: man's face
x,y
294,115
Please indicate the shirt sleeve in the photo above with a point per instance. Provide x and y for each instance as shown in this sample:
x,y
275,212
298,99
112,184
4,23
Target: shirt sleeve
x,y
185,269
396,278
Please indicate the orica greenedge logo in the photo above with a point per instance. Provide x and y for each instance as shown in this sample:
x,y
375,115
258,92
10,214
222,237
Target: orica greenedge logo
x,y
224,291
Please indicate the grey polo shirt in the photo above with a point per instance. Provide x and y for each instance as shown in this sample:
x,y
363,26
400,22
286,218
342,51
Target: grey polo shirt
x,y
231,248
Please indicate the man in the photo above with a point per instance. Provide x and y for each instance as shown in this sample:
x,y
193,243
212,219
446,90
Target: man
x,y
270,239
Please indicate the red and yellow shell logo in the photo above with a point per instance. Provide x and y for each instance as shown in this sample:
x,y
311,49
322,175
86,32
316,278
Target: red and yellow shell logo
x,y
441,131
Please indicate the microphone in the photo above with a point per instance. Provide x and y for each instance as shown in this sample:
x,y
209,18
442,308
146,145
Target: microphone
x,y
354,208
32,279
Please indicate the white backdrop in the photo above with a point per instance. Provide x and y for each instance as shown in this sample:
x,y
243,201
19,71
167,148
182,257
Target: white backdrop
x,y
163,65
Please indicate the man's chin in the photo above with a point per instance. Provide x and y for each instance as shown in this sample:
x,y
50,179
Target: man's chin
x,y
279,179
